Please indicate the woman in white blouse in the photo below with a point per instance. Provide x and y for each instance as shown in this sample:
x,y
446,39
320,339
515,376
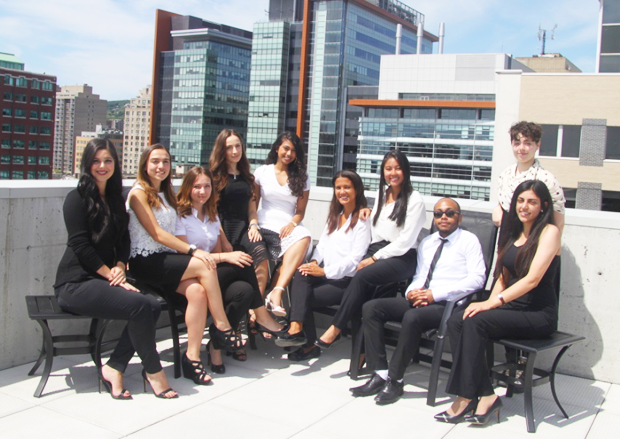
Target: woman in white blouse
x,y
323,280
283,186
198,225
396,221
161,260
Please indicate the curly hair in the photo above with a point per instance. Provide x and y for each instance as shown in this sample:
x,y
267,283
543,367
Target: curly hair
x,y
297,174
399,213
102,215
335,208
512,228
526,129
218,165
184,197
145,181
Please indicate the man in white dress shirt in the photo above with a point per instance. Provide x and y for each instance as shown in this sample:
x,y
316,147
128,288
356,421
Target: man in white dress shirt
x,y
450,266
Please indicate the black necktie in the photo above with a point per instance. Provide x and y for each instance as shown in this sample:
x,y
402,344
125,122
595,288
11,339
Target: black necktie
x,y
434,263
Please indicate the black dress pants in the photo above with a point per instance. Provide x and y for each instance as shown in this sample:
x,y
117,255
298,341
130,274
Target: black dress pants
x,y
96,298
239,291
469,376
364,283
414,321
310,292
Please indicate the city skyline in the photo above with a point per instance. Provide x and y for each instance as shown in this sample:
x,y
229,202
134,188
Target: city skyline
x,y
115,56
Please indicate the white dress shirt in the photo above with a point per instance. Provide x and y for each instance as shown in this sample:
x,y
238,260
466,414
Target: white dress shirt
x,y
460,269
403,238
202,234
342,249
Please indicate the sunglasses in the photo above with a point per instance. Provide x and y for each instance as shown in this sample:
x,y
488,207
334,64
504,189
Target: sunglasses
x,y
449,213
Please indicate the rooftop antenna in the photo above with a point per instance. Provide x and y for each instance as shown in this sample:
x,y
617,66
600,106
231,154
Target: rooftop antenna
x,y
542,36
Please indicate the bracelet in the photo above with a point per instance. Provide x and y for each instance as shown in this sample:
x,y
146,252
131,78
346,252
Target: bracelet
x,y
374,258
254,225
294,223
501,299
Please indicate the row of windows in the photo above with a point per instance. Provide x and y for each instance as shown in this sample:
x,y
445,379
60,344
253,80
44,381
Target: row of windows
x,y
444,130
20,144
21,129
565,141
20,113
430,113
34,99
19,160
19,175
35,84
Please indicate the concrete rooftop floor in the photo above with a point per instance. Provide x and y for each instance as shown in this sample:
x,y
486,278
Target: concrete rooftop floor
x,y
269,396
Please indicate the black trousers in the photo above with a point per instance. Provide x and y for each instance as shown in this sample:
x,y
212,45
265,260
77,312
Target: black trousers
x,y
96,298
365,282
414,321
240,291
308,292
469,376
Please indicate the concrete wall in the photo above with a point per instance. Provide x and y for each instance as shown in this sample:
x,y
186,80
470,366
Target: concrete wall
x,y
33,237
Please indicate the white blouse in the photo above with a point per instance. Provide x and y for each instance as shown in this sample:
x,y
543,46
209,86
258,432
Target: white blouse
x,y
202,234
403,238
343,249
142,243
278,204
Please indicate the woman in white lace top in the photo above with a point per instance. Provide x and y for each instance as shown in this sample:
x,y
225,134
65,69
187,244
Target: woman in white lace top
x,y
160,259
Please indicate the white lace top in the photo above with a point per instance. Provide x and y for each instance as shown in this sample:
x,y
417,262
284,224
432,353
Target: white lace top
x,y
141,242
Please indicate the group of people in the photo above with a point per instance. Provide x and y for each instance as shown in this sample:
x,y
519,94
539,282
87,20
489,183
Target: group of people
x,y
212,243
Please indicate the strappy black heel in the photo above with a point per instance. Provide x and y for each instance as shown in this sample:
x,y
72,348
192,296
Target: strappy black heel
x,y
195,371
161,395
227,340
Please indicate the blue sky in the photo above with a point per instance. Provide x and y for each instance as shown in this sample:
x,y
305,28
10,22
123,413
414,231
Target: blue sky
x,y
108,44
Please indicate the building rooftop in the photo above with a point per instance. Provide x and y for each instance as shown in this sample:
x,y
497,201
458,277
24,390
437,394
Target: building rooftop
x,y
269,396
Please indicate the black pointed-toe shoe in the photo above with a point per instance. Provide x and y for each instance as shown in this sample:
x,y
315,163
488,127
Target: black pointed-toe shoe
x,y
486,417
373,386
455,419
302,354
286,340
392,391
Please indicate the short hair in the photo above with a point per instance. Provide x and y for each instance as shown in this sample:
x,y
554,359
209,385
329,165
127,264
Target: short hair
x,y
527,129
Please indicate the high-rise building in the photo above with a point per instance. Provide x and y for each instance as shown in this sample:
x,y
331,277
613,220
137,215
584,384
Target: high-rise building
x,y
26,121
608,56
115,136
136,130
304,59
201,79
440,111
77,110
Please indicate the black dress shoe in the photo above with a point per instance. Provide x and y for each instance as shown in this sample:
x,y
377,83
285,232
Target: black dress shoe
x,y
285,340
324,345
485,417
372,386
391,392
455,419
302,355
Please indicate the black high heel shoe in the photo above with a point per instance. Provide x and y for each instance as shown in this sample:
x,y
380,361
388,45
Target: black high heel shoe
x,y
324,345
215,368
455,419
195,371
161,395
278,333
108,386
484,418
227,339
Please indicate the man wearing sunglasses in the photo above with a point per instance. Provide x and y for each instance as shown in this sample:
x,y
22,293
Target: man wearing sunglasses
x,y
450,266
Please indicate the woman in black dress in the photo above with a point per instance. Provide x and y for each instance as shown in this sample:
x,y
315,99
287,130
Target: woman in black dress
x,y
91,275
523,302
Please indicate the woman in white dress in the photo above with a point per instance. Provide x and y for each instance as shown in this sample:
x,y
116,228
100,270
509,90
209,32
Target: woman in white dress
x,y
283,186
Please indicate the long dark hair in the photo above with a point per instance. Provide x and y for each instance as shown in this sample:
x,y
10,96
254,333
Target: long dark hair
x,y
217,161
297,174
145,181
399,214
512,228
102,216
184,197
335,208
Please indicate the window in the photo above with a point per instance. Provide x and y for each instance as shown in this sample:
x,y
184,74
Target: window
x,y
18,144
45,146
44,174
46,100
33,129
4,175
21,82
5,159
35,84
6,127
570,140
32,160
18,159
612,149
21,129
32,144
47,85
6,112
46,131
8,80
549,141
34,99
20,113
7,96
34,114
44,160
31,175
6,143
18,175
46,115
21,98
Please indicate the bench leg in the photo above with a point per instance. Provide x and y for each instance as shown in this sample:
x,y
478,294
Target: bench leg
x,y
49,357
434,378
41,356
176,348
527,379
552,378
